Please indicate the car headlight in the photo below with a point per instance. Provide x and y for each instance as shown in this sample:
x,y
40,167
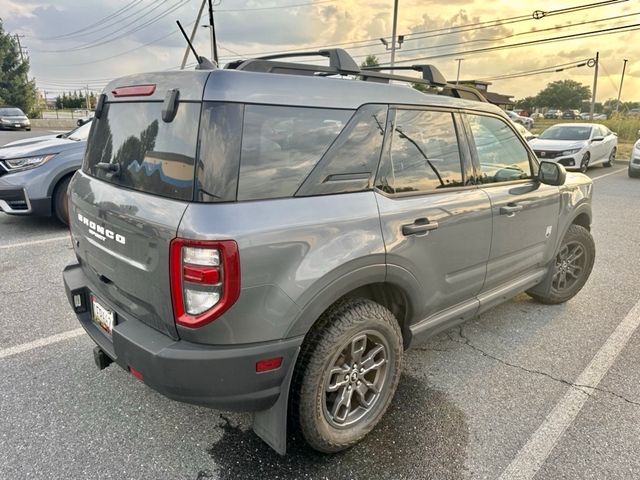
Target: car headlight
x,y
637,146
571,152
4,120
16,164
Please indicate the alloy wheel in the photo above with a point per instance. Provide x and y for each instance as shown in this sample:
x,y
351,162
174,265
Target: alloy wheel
x,y
570,264
356,379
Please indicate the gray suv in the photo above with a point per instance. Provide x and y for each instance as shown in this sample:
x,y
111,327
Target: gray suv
x,y
272,236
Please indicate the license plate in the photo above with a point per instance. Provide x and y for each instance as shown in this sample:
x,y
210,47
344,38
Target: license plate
x,y
102,316
16,124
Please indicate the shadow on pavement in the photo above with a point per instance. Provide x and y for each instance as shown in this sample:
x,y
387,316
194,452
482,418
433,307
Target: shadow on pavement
x,y
423,435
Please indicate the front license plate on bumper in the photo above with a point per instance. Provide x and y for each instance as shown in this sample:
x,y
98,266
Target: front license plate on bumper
x,y
102,316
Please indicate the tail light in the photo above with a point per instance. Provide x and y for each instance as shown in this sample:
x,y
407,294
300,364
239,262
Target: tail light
x,y
205,279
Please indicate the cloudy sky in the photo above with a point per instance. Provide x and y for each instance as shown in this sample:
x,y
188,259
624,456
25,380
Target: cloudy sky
x,y
88,42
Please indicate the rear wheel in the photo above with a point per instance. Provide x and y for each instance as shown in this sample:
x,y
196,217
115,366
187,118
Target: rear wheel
x,y
60,201
612,158
570,269
347,374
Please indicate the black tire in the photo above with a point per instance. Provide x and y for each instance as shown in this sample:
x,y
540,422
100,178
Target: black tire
x,y
584,164
612,158
331,342
631,173
60,201
552,291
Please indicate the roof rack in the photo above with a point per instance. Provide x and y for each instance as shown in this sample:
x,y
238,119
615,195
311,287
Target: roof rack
x,y
341,63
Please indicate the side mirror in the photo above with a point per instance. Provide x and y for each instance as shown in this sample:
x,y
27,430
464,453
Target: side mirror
x,y
552,173
597,139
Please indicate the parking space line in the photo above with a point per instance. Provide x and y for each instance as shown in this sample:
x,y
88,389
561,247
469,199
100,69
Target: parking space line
x,y
540,445
34,242
42,342
607,174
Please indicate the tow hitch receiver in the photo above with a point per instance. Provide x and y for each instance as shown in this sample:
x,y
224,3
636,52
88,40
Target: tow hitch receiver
x,y
102,359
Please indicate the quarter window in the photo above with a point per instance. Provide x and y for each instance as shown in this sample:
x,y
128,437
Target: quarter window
x,y
281,145
501,154
424,152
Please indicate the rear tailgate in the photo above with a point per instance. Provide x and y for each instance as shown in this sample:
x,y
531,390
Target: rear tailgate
x,y
136,182
121,238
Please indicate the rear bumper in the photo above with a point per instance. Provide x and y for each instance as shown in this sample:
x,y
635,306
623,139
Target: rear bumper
x,y
214,376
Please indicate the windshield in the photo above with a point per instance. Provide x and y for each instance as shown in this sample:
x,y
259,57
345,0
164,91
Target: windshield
x,y
566,133
131,146
78,134
11,112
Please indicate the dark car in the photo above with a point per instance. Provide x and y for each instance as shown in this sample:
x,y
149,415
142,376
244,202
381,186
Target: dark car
x,y
570,115
12,118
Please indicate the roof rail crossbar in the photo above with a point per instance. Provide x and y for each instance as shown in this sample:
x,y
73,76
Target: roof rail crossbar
x,y
338,58
429,73
341,63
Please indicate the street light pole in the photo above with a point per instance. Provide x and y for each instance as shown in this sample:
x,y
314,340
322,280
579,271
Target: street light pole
x,y
393,34
459,60
624,67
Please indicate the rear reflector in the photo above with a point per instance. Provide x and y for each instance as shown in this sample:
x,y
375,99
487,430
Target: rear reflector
x,y
268,364
134,91
197,274
135,373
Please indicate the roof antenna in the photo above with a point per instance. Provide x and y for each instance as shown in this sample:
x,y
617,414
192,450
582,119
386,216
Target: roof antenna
x,y
203,63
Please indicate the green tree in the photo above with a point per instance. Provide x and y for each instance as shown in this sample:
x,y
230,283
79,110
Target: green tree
x,y
527,103
563,94
15,87
370,61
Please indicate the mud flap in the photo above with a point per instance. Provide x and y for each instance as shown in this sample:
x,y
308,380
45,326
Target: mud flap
x,y
271,425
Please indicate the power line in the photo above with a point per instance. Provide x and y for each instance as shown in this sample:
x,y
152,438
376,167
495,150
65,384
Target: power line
x,y
96,42
536,15
96,23
593,33
530,32
456,29
307,4
538,71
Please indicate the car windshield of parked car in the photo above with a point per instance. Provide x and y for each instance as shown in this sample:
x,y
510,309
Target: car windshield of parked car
x,y
566,133
11,112
80,133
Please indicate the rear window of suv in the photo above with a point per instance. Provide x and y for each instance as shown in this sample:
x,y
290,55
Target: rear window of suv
x,y
133,147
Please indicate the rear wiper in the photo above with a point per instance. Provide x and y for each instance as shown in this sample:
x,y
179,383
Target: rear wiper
x,y
112,169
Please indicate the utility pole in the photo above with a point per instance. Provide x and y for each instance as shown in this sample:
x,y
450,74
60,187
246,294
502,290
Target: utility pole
x,y
18,37
393,35
214,46
624,67
595,87
459,60
86,97
193,34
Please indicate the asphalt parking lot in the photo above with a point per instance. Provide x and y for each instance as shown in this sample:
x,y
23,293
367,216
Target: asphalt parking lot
x,y
523,391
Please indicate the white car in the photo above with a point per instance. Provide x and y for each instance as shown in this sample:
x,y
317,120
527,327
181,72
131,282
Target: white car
x,y
515,118
634,161
577,146
528,136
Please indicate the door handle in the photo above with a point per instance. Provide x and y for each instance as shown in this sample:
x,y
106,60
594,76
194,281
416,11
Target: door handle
x,y
511,209
420,225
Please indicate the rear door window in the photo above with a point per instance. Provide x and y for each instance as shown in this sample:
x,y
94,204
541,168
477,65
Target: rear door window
x,y
281,145
131,146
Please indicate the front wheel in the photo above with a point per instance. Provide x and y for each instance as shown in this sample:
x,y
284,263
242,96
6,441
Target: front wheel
x,y
612,158
347,374
570,269
584,165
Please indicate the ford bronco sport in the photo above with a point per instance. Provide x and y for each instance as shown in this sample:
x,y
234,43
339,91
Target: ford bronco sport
x,y
272,236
